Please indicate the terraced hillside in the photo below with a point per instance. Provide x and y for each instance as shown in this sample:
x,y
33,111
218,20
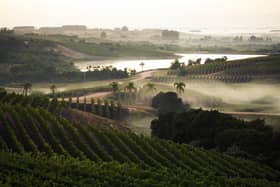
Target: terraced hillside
x,y
112,154
233,71
254,66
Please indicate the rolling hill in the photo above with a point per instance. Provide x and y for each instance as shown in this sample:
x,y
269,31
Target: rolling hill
x,y
39,147
238,71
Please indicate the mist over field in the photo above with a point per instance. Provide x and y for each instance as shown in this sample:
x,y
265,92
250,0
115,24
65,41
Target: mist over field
x,y
251,93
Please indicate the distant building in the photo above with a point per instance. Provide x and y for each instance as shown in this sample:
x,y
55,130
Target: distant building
x,y
255,39
74,28
170,35
24,30
124,29
50,30
206,38
195,31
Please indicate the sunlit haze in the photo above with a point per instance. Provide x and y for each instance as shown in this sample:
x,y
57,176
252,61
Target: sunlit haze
x,y
210,14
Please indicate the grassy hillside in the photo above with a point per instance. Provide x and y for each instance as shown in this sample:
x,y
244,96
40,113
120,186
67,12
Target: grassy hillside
x,y
31,54
99,49
34,58
22,58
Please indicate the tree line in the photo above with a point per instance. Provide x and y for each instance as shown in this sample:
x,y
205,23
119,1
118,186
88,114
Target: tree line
x,y
214,130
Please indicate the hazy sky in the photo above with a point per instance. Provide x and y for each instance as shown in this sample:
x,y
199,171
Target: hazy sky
x,y
142,13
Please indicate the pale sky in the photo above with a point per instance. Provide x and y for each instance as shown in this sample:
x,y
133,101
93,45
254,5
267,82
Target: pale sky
x,y
142,13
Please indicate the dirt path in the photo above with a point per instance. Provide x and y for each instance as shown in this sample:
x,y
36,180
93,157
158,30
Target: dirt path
x,y
143,75
98,95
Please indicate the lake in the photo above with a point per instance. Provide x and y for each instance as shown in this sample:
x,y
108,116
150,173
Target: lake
x,y
158,63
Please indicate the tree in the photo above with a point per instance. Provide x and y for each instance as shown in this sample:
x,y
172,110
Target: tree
x,y
168,102
115,87
99,107
132,72
150,87
92,101
89,68
77,102
124,28
142,65
27,87
85,104
53,89
103,35
3,91
130,87
180,87
70,102
175,65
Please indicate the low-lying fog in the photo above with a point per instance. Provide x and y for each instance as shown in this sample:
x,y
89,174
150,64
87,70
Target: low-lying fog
x,y
247,97
251,93
251,97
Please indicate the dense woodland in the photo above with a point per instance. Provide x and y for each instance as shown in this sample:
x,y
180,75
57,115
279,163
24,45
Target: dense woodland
x,y
214,130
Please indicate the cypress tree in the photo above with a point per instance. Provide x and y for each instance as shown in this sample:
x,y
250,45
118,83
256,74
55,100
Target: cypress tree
x,y
112,109
77,102
85,104
70,102
99,107
93,110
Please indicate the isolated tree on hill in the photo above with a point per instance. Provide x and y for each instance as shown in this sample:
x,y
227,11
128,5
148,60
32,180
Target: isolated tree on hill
x,y
27,87
53,89
142,65
180,87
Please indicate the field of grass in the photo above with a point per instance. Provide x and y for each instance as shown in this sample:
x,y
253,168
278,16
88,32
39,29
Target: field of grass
x,y
108,49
